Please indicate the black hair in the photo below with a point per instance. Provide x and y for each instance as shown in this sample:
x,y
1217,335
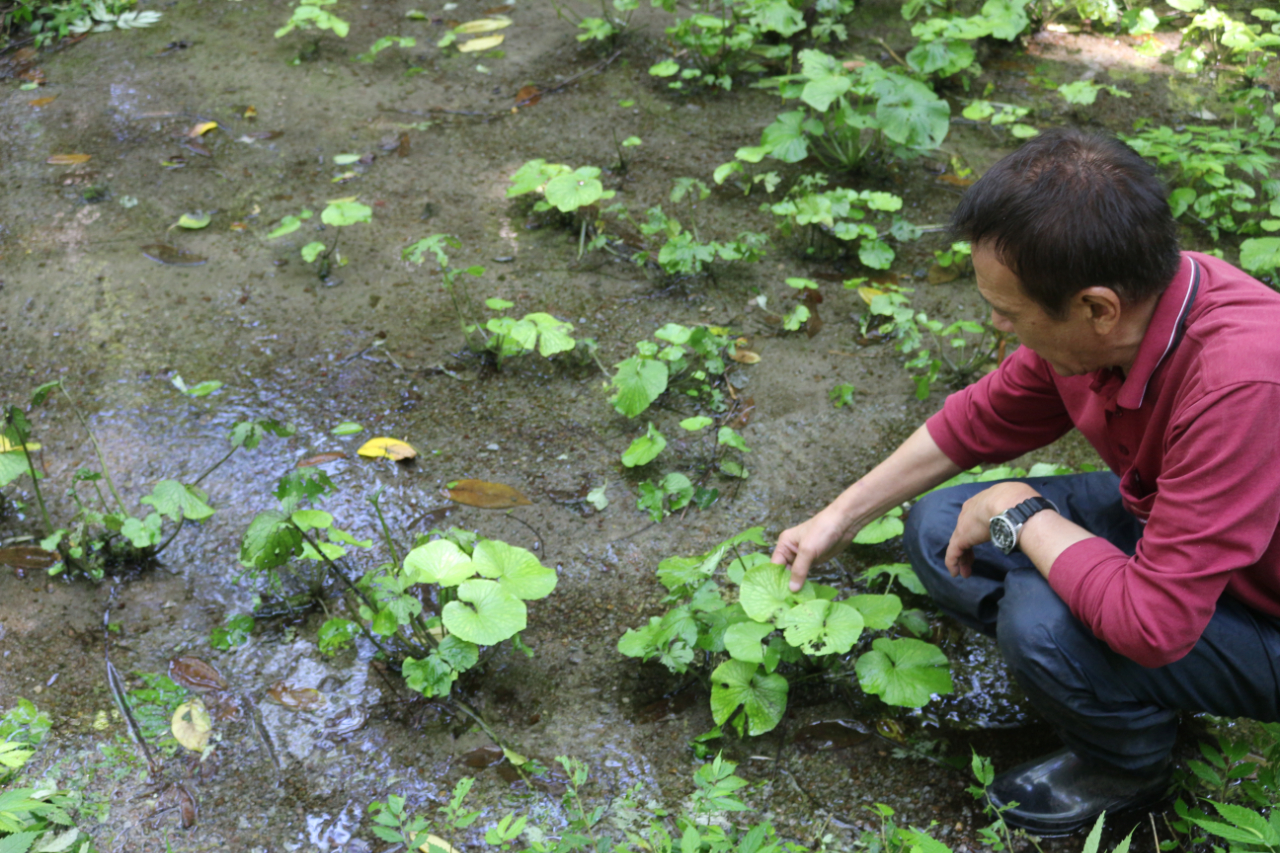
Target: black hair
x,y
1070,210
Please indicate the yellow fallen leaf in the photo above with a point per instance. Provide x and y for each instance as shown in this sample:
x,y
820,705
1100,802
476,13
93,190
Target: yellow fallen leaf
x,y
479,493
191,725
43,102
391,448
483,25
200,129
7,446
436,844
745,356
481,43
250,112
869,293
68,159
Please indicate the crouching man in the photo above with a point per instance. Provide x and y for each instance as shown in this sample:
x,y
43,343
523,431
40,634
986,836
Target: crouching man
x,y
1118,599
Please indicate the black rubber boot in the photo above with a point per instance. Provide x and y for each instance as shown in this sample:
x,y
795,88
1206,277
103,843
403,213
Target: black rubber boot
x,y
1061,793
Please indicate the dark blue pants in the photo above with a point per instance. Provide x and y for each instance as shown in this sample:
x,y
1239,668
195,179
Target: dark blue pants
x,y
1103,705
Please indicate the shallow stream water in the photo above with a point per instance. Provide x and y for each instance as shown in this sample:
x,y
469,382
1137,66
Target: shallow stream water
x,y
378,343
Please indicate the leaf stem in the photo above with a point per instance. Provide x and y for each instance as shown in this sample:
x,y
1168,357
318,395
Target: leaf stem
x,y
97,448
35,483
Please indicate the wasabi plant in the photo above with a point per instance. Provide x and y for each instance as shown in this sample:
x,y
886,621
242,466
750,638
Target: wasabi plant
x,y
692,363
607,27
946,42
575,192
32,817
475,588
812,214
103,534
339,213
313,15
506,337
735,623
437,245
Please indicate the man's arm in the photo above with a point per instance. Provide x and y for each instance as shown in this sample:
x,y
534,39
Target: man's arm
x,y
1043,538
917,466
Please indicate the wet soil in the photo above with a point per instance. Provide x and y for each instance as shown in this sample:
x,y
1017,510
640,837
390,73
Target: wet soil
x,y
378,343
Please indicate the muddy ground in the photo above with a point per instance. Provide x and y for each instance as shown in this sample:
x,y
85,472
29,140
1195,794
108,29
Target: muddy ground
x,y
378,343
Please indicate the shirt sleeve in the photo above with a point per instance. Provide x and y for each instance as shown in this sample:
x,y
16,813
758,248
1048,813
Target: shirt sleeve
x,y
1216,511
1010,411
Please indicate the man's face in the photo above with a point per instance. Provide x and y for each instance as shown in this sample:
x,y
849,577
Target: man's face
x,y
1068,345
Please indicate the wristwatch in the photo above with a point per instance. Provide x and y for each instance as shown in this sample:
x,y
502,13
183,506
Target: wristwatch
x,y
1006,526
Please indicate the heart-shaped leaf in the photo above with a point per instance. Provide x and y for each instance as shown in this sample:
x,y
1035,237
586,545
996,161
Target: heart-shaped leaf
x,y
737,684
742,641
821,627
517,570
440,562
765,592
879,612
485,613
904,672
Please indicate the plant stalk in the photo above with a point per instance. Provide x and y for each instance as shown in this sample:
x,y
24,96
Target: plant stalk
x,y
97,448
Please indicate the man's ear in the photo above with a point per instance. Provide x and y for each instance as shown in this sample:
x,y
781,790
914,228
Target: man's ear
x,y
1102,306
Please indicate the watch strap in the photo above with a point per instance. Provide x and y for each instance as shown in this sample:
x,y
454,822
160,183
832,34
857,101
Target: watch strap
x,y
1023,511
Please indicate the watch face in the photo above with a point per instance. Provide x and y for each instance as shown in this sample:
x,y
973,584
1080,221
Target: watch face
x,y
1002,535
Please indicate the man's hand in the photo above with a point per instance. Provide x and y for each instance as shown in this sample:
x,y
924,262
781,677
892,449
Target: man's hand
x,y
813,543
973,527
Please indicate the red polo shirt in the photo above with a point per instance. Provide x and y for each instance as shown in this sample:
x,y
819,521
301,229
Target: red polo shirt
x,y
1193,433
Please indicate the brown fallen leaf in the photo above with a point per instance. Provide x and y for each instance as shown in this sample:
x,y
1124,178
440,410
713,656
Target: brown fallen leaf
x,y
942,275
742,414
43,102
265,134
296,698
28,557
195,674
528,96
170,256
402,145
250,112
955,180
68,159
814,324
391,448
831,734
320,459
187,807
479,493
500,10
483,756
197,148
745,356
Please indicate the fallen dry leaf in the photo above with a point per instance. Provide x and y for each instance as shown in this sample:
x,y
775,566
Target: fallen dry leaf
x,y
195,674
7,446
200,129
391,448
43,102
436,844
191,725
481,43
320,459
483,25
955,180
171,256
500,10
296,698
853,64
869,293
942,275
68,159
250,112
528,96
745,356
28,557
192,145
484,495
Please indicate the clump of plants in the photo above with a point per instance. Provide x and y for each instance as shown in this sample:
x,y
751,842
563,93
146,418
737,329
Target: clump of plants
x,y
502,337
847,110
35,817
607,27
104,534
818,216
430,611
957,353
338,213
313,16
735,622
